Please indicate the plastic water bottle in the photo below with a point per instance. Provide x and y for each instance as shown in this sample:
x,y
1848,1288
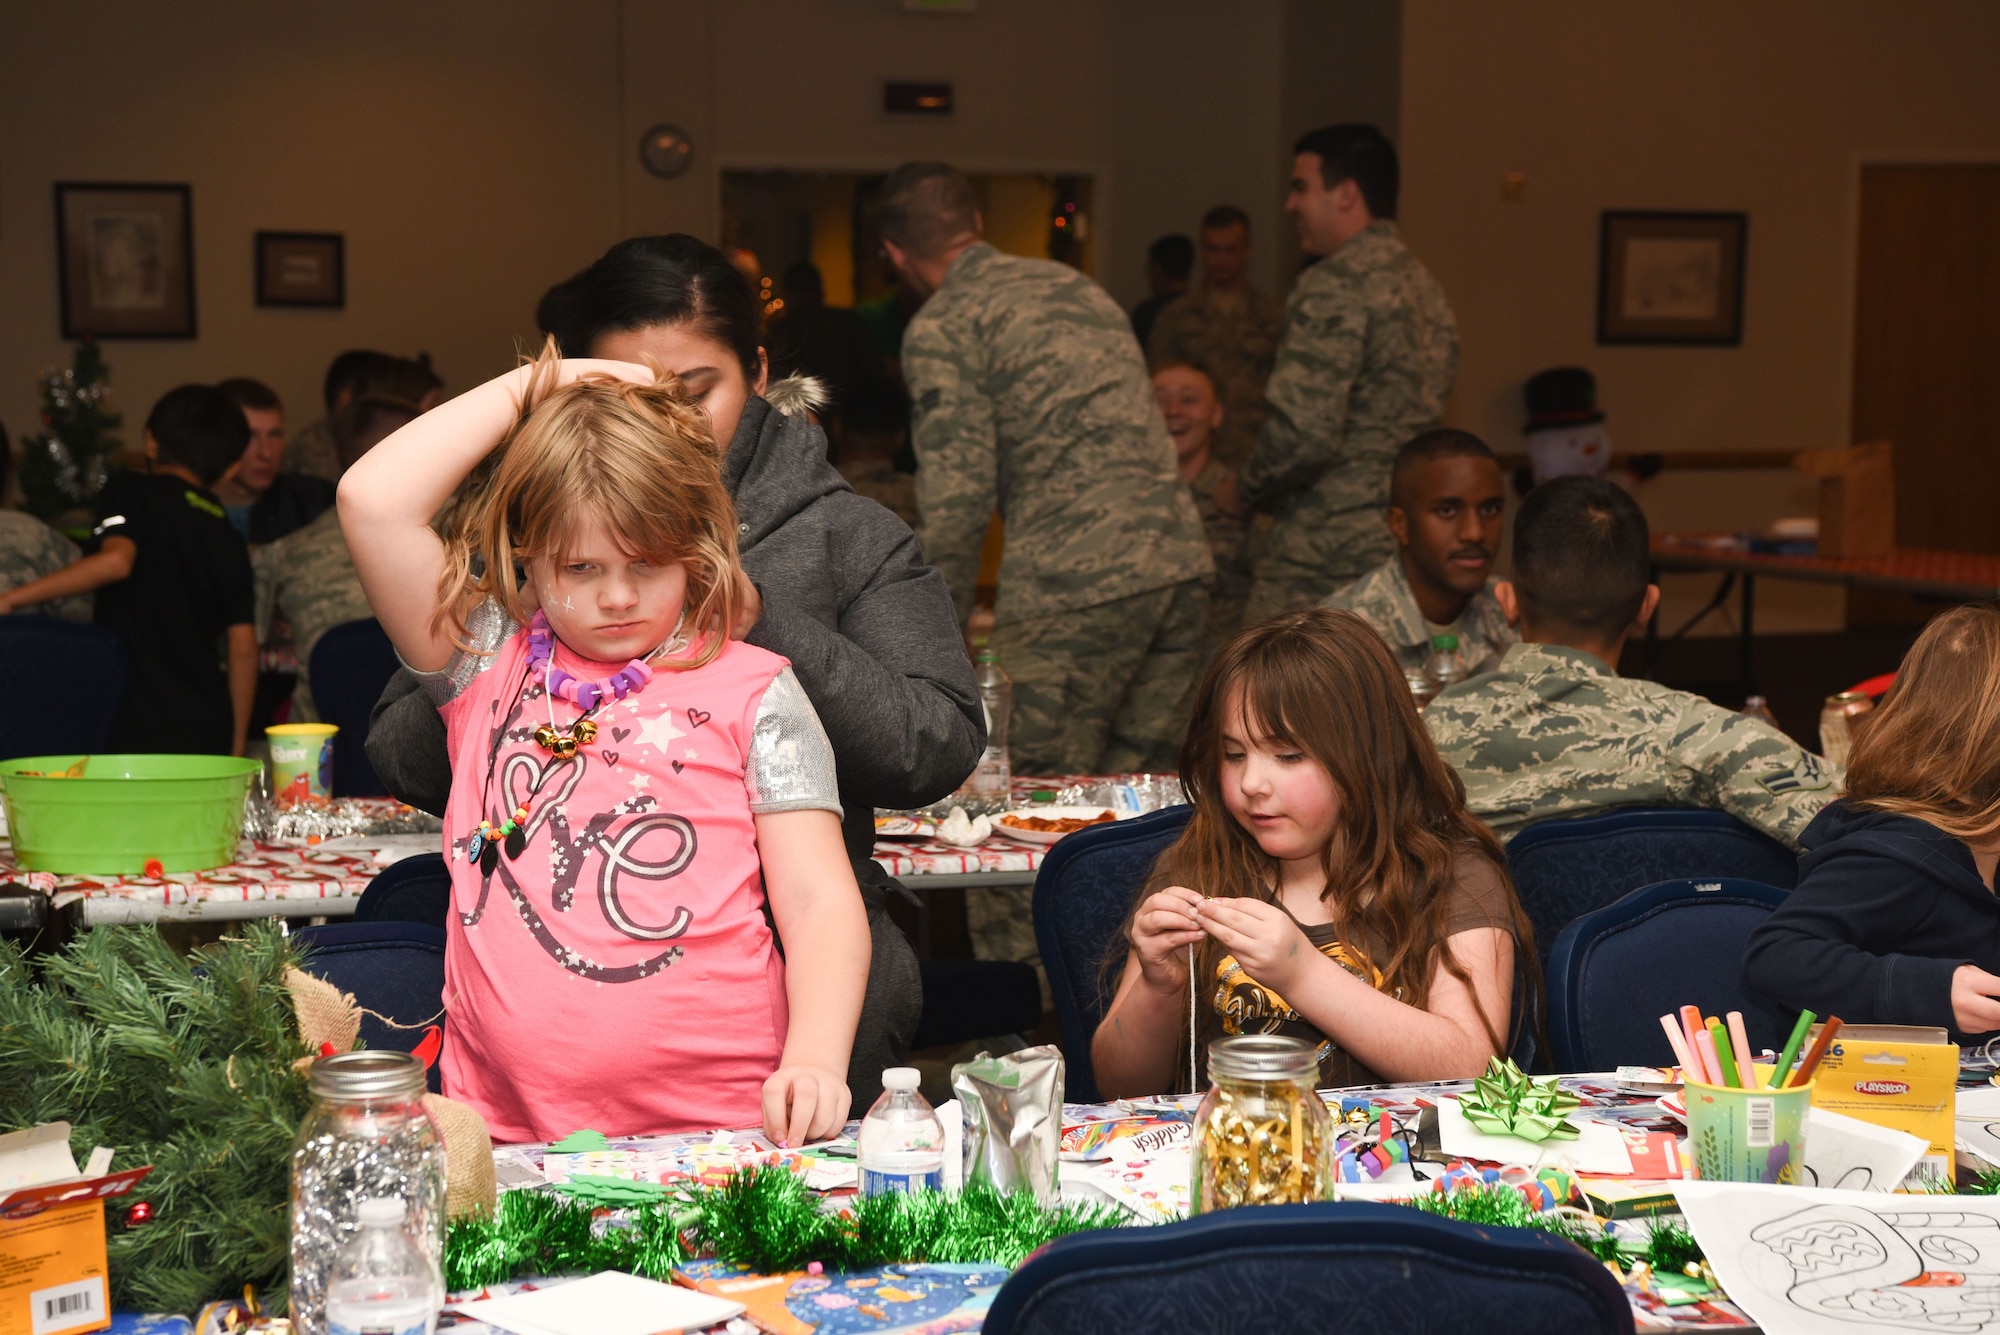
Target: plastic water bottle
x,y
383,1283
1757,706
1446,666
901,1143
994,779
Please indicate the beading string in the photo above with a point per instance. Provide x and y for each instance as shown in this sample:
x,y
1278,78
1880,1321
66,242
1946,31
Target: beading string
x,y
1192,988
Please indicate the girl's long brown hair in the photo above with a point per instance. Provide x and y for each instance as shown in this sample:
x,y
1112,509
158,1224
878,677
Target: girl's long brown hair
x,y
1933,749
641,457
1324,682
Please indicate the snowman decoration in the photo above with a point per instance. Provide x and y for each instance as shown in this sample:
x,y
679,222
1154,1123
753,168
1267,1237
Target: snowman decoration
x,y
1565,429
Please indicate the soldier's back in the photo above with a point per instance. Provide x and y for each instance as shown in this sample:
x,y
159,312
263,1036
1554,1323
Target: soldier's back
x,y
30,549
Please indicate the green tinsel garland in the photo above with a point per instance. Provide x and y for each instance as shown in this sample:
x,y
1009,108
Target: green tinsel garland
x,y
765,1220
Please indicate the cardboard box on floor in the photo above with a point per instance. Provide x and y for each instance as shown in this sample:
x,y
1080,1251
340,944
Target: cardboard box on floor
x,y
1894,1075
53,1279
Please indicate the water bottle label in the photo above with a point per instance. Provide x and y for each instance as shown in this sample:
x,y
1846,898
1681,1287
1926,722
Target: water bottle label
x,y
880,1184
372,1325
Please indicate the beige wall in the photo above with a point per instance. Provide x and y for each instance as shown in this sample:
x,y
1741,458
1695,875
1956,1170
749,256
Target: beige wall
x,y
474,151
1706,104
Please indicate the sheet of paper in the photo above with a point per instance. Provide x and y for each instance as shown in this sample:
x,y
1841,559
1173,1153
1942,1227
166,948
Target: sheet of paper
x,y
1806,1261
608,1303
1852,1155
387,848
1598,1147
1154,1187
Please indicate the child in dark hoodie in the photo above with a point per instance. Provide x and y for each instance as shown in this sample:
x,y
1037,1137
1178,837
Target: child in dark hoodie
x,y
1894,919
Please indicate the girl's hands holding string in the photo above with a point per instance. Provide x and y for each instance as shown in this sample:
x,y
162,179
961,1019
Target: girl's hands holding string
x,y
1264,938
1162,930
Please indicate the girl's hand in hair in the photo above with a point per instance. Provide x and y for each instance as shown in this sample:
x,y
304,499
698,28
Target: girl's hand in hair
x,y
1262,937
1162,930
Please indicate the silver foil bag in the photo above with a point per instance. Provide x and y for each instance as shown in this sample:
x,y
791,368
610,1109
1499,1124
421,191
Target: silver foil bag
x,y
1013,1118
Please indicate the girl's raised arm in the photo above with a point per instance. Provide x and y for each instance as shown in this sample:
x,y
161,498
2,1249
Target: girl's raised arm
x,y
387,499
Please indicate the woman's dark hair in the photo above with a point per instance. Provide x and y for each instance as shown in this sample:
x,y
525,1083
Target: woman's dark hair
x,y
656,280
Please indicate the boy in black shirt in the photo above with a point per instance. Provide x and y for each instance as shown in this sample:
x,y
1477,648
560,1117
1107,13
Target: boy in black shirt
x,y
173,578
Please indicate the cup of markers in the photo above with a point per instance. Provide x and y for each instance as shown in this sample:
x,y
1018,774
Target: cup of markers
x,y
1746,1120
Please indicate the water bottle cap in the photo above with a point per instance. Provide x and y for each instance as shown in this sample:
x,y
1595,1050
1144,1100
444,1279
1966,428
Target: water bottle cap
x,y
380,1212
902,1077
1444,643
987,656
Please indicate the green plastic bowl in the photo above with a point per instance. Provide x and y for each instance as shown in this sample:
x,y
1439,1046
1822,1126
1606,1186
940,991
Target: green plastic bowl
x,y
184,811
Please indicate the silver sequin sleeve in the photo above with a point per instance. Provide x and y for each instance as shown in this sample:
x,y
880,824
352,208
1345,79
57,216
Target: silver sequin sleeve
x,y
486,629
791,761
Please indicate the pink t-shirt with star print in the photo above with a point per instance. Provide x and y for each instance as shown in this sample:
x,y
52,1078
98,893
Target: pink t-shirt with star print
x,y
620,974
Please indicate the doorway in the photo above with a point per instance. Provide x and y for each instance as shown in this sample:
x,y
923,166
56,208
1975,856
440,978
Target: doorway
x,y
1927,347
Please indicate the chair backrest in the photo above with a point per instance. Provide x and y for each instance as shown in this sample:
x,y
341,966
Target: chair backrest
x,y
1613,973
1082,894
414,889
392,968
60,684
1565,868
350,666
1348,1268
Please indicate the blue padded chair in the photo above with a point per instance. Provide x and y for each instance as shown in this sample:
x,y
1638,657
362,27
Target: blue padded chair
x,y
1615,972
393,968
1352,1268
60,684
1082,894
1567,867
973,999
350,666
414,889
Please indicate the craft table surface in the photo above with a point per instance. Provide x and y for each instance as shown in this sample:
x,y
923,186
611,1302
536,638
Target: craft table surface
x,y
1936,574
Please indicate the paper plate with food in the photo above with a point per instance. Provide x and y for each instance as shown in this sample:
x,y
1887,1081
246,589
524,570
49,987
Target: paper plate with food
x,y
1045,825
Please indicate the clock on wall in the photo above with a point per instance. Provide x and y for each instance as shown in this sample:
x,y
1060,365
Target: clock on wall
x,y
666,150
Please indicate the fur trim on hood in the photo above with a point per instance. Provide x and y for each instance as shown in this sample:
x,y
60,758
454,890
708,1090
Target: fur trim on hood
x,y
796,395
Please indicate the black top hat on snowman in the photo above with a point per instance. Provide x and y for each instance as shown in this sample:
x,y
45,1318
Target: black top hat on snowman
x,y
1563,397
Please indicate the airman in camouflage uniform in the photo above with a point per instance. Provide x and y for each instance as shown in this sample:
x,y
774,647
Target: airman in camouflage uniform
x,y
30,549
1383,599
309,578
1031,397
1369,354
1555,732
1233,335
1229,542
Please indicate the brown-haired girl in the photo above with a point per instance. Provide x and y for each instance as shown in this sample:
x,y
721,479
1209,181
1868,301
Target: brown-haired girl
x,y
1330,884
1893,920
630,786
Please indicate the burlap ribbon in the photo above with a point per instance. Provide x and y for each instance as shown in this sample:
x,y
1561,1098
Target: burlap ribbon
x,y
328,1015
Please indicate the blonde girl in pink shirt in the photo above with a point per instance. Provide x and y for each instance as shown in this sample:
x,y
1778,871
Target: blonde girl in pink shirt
x,y
637,798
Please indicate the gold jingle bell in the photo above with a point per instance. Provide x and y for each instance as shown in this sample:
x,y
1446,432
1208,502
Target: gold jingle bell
x,y
545,737
584,731
565,748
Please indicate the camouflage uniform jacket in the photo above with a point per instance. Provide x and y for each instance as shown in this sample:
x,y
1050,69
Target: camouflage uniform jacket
x,y
1031,397
30,549
311,451
1233,336
1383,599
1369,354
1554,732
309,577
1229,544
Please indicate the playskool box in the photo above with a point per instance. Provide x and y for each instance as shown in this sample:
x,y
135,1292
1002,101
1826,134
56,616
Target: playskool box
x,y
1899,1076
52,1270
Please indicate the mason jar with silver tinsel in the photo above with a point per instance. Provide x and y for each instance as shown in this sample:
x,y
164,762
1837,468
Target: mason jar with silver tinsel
x,y
367,1135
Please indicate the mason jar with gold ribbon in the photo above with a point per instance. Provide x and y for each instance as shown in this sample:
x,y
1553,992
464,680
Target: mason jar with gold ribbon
x,y
1262,1135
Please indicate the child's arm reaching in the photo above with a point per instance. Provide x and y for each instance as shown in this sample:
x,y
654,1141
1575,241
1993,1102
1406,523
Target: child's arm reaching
x,y
1133,1050
106,566
818,911
387,499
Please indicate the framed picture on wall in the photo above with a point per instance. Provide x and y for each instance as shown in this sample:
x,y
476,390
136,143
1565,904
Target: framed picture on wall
x,y
301,269
125,260
1671,277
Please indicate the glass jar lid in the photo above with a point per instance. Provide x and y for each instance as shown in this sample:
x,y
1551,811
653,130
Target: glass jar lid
x,y
354,1077
1261,1057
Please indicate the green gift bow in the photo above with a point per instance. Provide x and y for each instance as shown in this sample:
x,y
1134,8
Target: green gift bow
x,y
1506,1101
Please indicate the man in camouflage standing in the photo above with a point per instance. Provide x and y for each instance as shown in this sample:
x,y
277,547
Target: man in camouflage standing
x,y
1030,397
1367,361
1228,328
1555,731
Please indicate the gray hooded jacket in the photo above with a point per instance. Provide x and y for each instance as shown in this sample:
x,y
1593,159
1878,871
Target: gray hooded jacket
x,y
868,627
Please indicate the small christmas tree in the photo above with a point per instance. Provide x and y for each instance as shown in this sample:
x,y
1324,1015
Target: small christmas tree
x,y
63,466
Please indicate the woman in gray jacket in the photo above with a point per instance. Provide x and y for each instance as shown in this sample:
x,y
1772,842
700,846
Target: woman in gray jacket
x,y
840,587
